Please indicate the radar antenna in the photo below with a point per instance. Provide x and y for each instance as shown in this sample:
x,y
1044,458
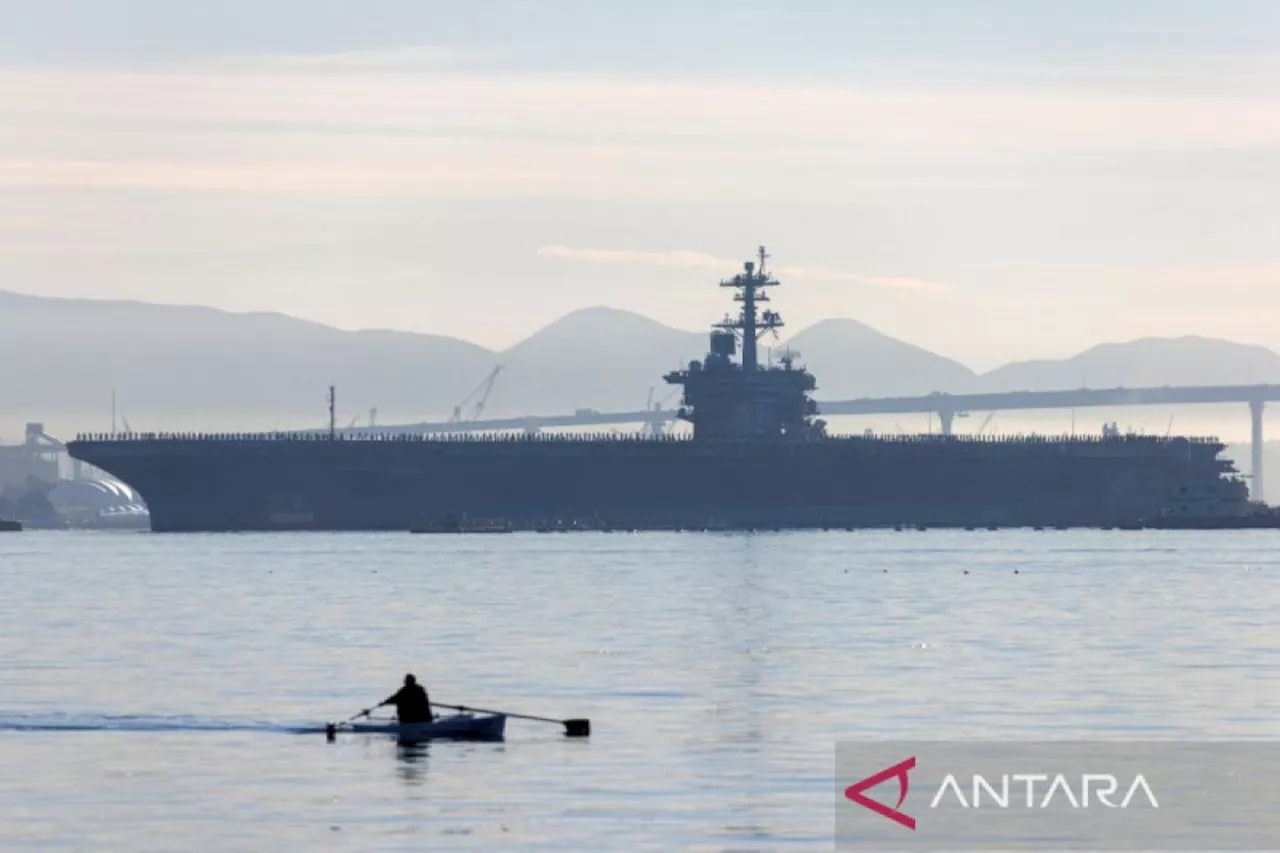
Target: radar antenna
x,y
750,325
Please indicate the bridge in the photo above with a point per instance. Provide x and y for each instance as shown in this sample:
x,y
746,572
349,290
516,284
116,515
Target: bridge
x,y
946,406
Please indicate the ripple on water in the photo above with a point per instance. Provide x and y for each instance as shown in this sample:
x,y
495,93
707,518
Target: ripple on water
x,y
154,687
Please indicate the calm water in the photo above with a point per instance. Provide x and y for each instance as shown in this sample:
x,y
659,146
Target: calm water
x,y
151,685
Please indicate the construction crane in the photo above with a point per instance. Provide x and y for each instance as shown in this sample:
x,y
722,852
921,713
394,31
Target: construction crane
x,y
653,426
483,390
985,423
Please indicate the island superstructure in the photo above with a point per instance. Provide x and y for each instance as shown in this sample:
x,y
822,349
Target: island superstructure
x,y
757,457
726,400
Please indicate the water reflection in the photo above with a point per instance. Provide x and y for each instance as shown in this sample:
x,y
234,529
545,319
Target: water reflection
x,y
411,761
743,627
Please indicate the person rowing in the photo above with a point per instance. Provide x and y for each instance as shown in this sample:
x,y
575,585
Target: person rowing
x,y
413,707
411,701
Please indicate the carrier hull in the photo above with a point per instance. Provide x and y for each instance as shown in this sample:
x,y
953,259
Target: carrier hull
x,y
309,483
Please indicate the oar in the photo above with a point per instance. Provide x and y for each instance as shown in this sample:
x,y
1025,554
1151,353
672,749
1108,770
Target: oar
x,y
572,728
332,728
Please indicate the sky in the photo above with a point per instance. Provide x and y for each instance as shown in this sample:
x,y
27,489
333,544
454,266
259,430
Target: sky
x,y
992,180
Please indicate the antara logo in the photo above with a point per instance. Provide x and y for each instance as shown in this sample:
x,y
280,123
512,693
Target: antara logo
x,y
900,770
1101,785
1092,788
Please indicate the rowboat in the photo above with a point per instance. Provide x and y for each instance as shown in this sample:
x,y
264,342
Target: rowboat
x,y
456,727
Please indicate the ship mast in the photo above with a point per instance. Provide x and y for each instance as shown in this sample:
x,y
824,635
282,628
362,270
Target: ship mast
x,y
749,326
333,422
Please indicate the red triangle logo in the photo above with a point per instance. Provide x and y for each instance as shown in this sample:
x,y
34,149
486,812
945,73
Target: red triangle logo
x,y
855,792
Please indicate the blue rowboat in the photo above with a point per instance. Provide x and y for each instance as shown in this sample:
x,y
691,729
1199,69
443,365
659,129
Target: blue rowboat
x,y
456,727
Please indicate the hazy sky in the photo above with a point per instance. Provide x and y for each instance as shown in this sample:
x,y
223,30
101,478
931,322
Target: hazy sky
x,y
992,180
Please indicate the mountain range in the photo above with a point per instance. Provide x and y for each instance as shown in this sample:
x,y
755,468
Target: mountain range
x,y
182,367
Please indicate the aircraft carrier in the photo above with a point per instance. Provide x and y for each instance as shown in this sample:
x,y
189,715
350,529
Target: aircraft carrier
x,y
757,457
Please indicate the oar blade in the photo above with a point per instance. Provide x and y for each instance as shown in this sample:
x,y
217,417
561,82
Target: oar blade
x,y
577,728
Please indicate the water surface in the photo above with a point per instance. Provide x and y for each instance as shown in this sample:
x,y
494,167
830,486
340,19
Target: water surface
x,y
152,687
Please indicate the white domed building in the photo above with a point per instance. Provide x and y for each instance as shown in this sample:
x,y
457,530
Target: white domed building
x,y
100,504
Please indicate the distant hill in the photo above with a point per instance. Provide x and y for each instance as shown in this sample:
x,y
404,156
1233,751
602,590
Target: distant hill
x,y
177,367
608,359
599,358
1147,362
851,359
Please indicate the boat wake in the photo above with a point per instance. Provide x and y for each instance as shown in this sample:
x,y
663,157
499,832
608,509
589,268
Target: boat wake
x,y
144,723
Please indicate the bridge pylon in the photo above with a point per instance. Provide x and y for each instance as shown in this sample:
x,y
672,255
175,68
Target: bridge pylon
x,y
1256,408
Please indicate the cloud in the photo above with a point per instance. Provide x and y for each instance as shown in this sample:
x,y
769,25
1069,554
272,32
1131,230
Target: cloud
x,y
678,258
891,282
407,59
685,259
324,123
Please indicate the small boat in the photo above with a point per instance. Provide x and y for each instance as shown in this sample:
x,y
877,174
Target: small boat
x,y
456,727
10,526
